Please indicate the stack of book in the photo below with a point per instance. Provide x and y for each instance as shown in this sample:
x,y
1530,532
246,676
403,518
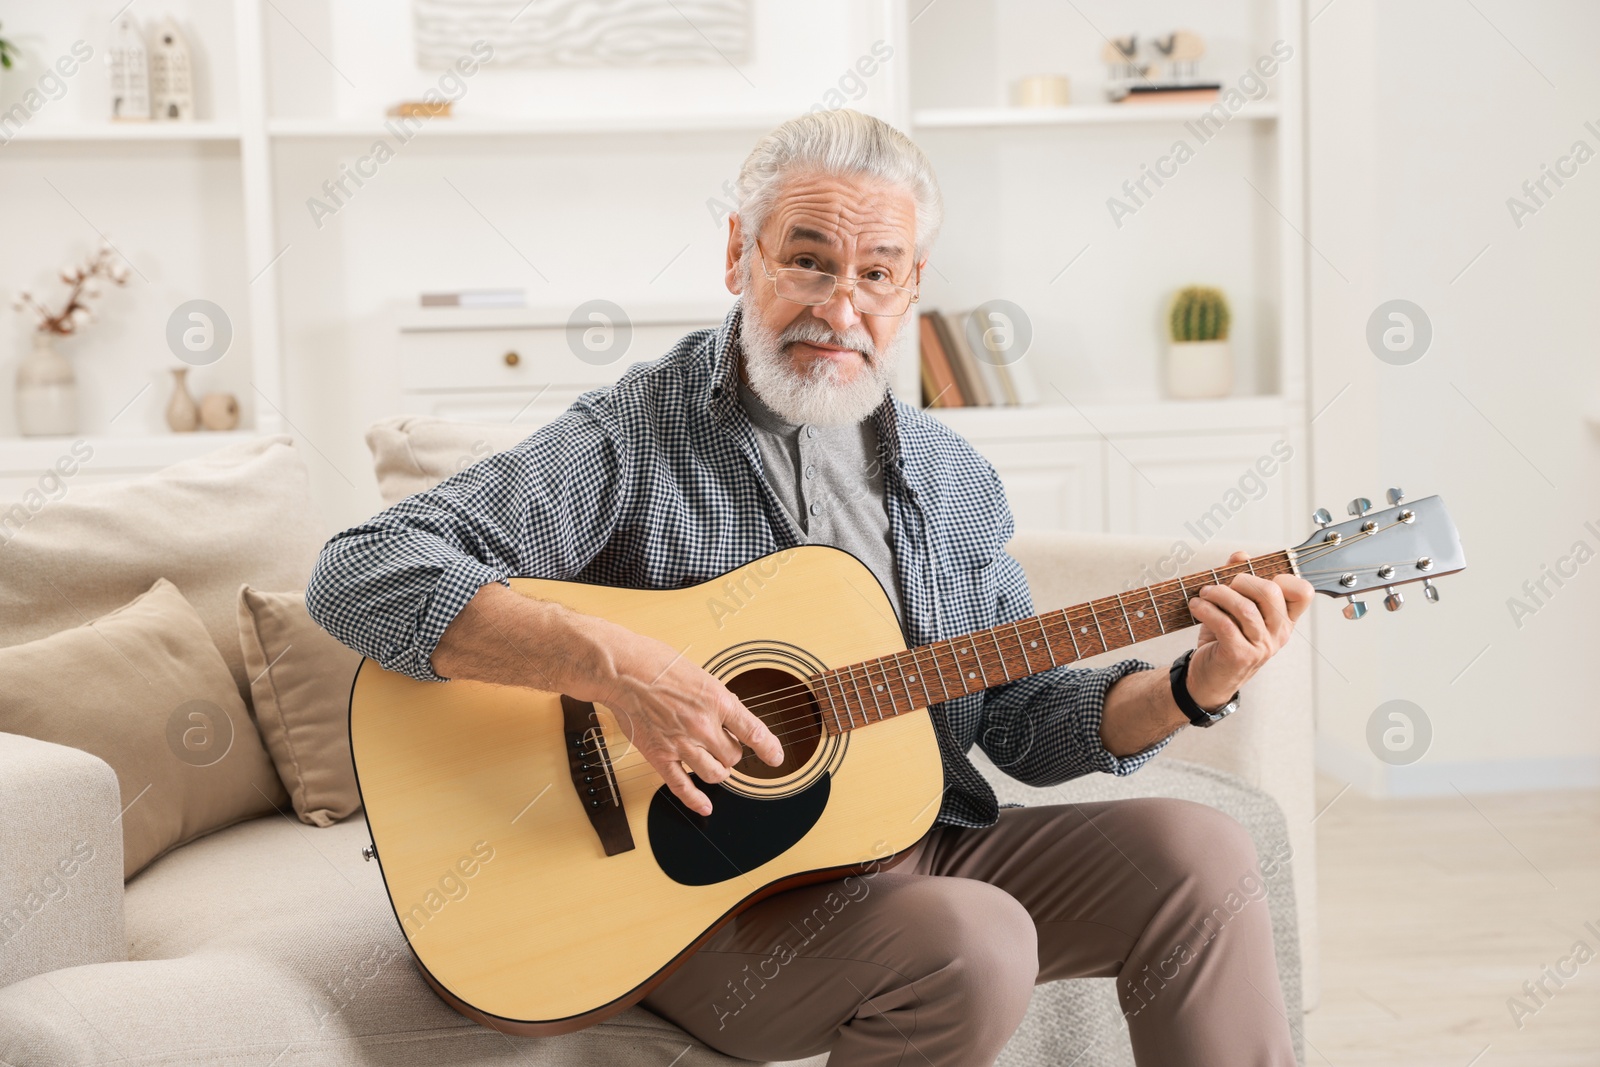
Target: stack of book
x,y
954,376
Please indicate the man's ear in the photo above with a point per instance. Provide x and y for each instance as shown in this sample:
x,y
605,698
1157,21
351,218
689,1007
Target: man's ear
x,y
735,248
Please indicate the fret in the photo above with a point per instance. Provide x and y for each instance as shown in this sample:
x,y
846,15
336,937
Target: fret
x,y
966,675
888,687
1251,564
1132,637
860,701
838,726
1044,635
1104,647
1004,669
904,684
1151,593
874,693
1076,654
1214,577
855,691
1022,644
938,671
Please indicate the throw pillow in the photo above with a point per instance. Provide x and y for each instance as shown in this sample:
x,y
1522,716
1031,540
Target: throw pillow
x,y
143,688
300,680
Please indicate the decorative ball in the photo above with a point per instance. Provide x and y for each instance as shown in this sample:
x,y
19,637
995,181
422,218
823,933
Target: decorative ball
x,y
219,411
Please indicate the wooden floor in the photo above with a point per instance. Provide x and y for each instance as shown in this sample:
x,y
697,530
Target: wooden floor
x,y
1435,912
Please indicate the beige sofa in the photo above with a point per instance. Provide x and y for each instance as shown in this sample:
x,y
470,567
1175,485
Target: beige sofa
x,y
271,942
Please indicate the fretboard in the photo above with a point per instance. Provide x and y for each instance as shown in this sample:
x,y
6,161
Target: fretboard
x,y
877,689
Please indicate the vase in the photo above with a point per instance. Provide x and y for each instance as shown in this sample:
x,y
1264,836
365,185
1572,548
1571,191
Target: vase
x,y
183,414
47,392
1199,369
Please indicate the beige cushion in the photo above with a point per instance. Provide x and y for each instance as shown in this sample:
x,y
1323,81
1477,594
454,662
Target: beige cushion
x,y
240,514
300,683
143,688
415,452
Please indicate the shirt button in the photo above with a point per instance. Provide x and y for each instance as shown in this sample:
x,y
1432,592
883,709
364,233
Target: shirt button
x,y
811,431
816,509
811,471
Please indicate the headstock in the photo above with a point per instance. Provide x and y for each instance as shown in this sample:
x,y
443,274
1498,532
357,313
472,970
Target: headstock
x,y
1403,543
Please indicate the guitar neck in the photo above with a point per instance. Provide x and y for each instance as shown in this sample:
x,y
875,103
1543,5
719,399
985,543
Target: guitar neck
x,y
878,689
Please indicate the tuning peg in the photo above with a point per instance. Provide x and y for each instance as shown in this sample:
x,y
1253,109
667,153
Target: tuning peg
x,y
1321,517
1430,592
1394,495
1360,506
1355,609
1394,601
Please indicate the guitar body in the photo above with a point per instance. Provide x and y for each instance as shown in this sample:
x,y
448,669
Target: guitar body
x,y
526,913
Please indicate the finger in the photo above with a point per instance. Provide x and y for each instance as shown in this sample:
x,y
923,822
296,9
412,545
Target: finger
x,y
1243,611
1231,646
743,724
707,766
1268,598
1238,557
1297,594
682,787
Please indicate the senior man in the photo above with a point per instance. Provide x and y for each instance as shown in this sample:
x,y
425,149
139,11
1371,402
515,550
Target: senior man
x,y
776,429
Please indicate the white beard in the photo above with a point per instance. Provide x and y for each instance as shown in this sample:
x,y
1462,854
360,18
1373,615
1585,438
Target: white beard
x,y
816,396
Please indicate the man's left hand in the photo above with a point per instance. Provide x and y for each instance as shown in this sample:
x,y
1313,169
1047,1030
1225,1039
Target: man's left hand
x,y
1243,624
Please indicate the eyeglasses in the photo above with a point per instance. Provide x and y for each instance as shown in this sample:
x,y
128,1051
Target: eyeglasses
x,y
816,287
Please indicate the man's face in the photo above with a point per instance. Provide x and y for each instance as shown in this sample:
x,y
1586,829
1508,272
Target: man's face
x,y
852,227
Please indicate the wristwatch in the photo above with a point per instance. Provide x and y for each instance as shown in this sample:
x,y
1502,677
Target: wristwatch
x,y
1198,716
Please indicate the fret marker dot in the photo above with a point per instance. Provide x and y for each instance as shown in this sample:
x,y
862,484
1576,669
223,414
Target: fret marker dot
x,y
877,689
1083,629
1140,613
970,674
1033,644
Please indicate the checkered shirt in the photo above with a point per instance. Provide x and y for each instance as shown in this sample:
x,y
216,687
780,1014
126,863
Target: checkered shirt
x,y
656,482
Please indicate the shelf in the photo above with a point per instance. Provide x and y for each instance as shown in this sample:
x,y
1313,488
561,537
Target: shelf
x,y
1231,414
312,129
1080,115
410,318
92,132
24,455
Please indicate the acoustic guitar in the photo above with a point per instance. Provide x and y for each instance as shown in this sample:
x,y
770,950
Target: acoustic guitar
x,y
545,877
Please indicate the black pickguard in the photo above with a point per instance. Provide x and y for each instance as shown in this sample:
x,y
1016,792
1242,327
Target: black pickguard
x,y
740,834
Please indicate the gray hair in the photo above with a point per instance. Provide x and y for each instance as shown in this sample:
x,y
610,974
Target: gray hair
x,y
844,142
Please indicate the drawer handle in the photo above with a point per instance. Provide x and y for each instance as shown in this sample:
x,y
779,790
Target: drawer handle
x,y
512,359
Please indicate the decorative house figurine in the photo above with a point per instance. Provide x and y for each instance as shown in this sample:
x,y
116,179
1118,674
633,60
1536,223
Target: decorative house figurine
x,y
171,75
129,67
1182,49
1121,57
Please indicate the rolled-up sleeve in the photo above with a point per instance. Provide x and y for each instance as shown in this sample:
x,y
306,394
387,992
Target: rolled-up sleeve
x,y
389,587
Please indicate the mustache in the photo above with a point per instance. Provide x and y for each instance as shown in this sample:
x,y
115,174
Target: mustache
x,y
810,331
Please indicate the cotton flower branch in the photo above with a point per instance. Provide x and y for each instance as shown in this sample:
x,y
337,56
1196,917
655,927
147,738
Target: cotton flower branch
x,y
84,279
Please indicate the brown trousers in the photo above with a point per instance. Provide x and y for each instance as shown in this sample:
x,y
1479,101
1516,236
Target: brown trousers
x,y
933,961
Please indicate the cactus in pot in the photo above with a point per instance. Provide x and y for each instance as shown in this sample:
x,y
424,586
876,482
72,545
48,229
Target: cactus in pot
x,y
1199,362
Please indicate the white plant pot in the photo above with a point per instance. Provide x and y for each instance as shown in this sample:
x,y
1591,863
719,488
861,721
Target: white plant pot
x,y
1199,369
47,392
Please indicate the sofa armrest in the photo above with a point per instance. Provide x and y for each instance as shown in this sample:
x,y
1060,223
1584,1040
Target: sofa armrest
x,y
60,859
1269,743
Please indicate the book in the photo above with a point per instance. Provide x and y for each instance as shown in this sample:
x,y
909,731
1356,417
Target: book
x,y
939,382
982,363
1198,93
477,298
968,378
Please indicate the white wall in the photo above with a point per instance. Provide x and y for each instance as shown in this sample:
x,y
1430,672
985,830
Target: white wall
x,y
1424,118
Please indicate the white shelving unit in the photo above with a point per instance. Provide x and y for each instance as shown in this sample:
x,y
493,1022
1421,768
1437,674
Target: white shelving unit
x,y
997,217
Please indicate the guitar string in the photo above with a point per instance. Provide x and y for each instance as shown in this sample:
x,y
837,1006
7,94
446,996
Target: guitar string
x,y
1316,551
1165,597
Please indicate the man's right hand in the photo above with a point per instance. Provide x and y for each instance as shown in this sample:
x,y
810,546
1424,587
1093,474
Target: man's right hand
x,y
672,710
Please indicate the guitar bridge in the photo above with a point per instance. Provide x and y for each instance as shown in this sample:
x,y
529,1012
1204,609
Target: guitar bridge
x,y
594,777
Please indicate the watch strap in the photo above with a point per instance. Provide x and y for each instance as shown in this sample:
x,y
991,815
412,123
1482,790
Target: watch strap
x,y
1197,716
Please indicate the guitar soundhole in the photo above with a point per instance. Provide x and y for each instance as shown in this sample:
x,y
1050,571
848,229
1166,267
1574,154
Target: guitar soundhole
x,y
786,705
